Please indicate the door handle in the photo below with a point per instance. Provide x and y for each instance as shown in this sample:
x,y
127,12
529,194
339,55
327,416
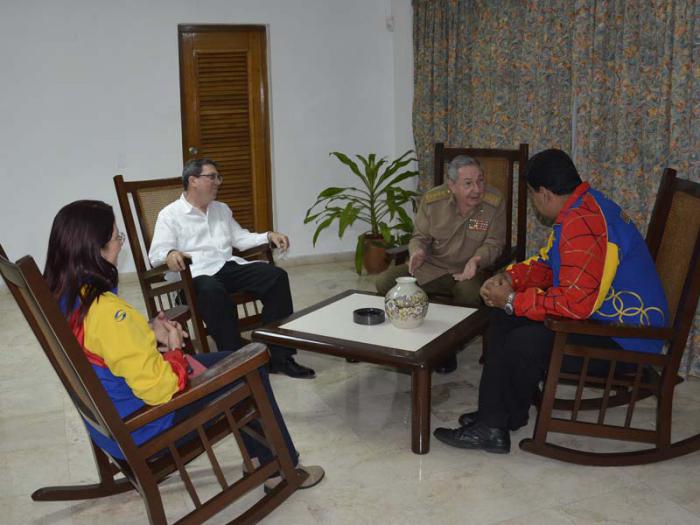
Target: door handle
x,y
193,150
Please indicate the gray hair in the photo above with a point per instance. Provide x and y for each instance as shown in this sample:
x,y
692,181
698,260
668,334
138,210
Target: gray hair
x,y
459,162
194,168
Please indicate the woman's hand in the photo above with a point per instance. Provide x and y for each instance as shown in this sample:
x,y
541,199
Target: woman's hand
x,y
157,324
175,336
163,327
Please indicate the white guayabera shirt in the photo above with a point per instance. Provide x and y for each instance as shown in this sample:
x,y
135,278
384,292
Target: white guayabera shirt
x,y
207,237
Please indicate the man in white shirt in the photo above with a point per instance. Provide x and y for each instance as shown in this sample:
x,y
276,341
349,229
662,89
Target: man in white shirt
x,y
202,228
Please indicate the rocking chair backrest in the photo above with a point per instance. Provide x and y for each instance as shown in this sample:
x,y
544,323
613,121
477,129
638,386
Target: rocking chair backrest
x,y
148,197
673,238
51,329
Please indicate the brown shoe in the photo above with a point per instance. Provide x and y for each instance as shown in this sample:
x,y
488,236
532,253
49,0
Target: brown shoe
x,y
314,474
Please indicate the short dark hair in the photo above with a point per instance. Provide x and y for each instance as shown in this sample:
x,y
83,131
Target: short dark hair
x,y
74,258
553,169
193,168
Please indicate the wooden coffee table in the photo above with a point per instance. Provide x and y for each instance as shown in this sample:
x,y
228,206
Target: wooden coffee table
x,y
328,328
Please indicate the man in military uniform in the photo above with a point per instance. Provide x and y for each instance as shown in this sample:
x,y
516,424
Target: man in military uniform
x,y
460,228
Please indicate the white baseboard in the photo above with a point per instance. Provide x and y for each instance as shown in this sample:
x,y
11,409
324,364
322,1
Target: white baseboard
x,y
316,259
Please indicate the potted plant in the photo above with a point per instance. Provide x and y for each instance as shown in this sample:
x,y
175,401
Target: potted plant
x,y
378,201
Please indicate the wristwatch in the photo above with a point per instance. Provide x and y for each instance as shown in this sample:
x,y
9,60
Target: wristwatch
x,y
508,308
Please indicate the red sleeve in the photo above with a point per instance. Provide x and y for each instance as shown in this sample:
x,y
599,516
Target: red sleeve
x,y
530,274
179,365
582,250
534,272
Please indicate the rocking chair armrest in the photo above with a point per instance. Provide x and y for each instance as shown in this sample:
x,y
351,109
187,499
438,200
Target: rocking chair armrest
x,y
157,273
225,372
592,327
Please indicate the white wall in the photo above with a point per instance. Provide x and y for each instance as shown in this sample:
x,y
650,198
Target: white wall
x,y
402,16
90,88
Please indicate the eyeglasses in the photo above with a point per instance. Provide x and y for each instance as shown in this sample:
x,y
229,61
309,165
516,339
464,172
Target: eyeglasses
x,y
212,176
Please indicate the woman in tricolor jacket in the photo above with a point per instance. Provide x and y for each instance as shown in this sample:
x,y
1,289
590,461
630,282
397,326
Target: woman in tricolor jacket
x,y
120,344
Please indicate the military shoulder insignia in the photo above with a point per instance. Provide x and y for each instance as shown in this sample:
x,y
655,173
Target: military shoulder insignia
x,y
437,194
492,198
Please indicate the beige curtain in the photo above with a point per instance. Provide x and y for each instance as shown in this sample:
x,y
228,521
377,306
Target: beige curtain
x,y
492,74
636,93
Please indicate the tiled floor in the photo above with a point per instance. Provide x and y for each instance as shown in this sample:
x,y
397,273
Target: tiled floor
x,y
354,420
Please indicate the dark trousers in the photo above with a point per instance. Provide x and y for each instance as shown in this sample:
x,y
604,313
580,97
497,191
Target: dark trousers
x,y
267,282
516,360
254,447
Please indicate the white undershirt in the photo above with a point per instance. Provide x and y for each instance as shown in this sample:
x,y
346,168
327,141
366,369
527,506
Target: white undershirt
x,y
207,237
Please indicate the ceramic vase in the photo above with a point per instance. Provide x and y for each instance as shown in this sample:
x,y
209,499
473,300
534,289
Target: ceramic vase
x,y
406,304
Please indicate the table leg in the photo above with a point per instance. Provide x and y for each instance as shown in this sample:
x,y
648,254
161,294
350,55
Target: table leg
x,y
420,417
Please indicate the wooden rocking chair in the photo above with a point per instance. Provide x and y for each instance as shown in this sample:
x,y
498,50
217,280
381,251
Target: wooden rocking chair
x,y
148,464
673,239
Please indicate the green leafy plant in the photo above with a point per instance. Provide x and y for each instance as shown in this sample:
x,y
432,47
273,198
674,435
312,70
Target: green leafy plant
x,y
379,201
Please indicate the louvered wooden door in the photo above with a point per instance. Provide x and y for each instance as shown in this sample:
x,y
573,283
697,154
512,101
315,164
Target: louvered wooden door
x,y
223,83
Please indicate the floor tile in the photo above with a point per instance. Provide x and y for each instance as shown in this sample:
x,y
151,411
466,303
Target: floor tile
x,y
354,420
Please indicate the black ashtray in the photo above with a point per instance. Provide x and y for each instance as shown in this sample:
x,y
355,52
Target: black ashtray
x,y
368,316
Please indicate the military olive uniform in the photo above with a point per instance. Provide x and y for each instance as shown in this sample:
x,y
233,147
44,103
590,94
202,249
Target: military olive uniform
x,y
449,241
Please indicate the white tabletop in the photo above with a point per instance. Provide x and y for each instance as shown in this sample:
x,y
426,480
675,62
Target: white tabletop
x,y
335,320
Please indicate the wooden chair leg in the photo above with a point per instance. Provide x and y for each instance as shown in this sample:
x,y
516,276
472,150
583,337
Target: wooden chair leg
x,y
107,486
154,505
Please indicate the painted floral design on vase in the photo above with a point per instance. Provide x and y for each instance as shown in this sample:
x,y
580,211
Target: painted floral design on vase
x,y
406,304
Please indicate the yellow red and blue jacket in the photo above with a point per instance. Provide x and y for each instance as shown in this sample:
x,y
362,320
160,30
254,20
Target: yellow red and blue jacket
x,y
122,349
595,265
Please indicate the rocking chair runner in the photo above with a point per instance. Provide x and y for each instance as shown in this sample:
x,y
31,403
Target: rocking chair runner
x,y
673,239
146,465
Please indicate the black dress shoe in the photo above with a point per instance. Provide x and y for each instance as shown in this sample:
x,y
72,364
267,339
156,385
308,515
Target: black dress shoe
x,y
471,417
291,368
476,436
448,365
